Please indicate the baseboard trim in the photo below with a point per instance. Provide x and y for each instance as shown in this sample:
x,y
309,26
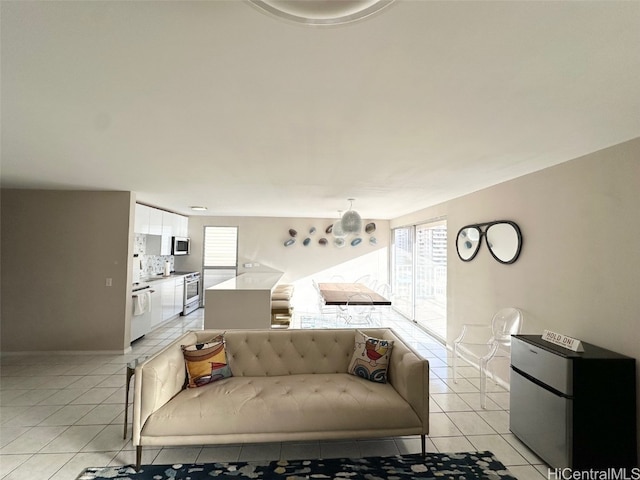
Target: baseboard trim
x,y
65,352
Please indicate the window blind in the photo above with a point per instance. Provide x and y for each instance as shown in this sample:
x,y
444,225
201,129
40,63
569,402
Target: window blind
x,y
221,247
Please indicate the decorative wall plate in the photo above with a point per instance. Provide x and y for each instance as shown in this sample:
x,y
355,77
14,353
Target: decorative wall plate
x,y
312,230
373,241
329,229
306,241
292,232
323,241
370,228
356,241
338,242
289,242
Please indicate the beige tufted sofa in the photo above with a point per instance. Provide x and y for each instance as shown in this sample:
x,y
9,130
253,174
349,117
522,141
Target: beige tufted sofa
x,y
287,385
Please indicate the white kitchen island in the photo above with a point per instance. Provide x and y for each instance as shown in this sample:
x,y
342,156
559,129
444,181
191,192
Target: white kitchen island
x,y
241,302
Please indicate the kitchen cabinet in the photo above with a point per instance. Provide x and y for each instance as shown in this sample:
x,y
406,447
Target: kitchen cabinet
x,y
152,221
165,244
155,222
167,299
172,226
156,307
167,292
183,226
142,220
178,301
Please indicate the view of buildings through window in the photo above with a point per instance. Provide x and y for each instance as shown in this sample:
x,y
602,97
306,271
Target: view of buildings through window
x,y
419,274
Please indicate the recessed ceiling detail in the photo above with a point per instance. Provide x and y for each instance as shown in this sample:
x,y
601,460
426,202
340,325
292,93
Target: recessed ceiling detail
x,y
322,12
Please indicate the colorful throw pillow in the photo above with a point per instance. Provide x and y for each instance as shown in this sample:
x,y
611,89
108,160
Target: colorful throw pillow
x,y
370,358
206,362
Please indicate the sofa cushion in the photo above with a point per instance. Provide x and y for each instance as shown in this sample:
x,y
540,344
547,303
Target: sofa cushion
x,y
314,403
274,353
370,358
206,362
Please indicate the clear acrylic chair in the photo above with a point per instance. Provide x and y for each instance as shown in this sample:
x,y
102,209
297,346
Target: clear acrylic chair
x,y
483,343
323,308
360,310
384,290
368,280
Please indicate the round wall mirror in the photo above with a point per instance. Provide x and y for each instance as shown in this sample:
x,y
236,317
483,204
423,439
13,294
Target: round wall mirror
x,y
503,237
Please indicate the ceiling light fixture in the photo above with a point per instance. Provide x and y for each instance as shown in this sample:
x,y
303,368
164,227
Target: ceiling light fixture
x,y
197,208
322,12
351,221
337,229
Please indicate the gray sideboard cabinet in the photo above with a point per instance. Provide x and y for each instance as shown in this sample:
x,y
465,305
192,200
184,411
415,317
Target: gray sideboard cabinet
x,y
574,409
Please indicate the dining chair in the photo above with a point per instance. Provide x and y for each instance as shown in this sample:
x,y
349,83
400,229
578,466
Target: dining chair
x,y
483,343
384,290
360,310
323,308
367,280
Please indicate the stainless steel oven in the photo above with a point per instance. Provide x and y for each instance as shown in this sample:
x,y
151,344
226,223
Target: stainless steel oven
x,y
191,293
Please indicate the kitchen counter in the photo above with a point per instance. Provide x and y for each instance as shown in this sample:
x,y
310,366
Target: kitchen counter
x,y
250,281
147,281
241,302
155,278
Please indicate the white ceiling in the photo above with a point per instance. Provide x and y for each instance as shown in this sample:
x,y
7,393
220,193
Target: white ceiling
x,y
217,103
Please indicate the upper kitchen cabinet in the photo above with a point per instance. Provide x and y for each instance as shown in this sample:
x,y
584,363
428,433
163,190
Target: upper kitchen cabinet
x,y
143,219
153,221
183,226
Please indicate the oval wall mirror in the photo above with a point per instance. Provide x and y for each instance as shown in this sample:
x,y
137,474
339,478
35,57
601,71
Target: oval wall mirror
x,y
504,241
468,243
503,237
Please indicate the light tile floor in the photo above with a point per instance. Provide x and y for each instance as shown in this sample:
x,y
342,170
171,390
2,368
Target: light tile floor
x,y
60,413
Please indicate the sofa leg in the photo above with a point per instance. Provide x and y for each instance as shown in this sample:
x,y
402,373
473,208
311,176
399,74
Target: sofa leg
x,y
138,457
423,441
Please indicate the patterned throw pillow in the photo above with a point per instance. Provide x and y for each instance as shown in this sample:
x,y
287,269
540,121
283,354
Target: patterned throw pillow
x,y
370,358
206,362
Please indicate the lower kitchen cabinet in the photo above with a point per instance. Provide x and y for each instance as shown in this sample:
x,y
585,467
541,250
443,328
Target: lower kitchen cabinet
x,y
167,299
156,308
178,298
167,291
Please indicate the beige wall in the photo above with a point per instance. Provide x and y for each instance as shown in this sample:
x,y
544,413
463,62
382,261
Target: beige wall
x,y
58,248
579,270
261,239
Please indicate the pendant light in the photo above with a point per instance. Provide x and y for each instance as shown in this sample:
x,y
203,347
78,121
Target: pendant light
x,y
351,221
338,231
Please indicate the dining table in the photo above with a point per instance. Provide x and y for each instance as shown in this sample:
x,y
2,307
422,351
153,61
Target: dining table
x,y
339,294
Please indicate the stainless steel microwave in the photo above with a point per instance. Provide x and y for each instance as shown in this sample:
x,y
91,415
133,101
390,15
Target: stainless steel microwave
x,y
180,246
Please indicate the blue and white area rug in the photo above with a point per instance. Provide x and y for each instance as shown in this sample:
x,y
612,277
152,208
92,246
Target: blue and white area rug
x,y
458,466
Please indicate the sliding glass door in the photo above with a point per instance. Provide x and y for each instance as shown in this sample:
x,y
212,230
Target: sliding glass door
x,y
419,275
431,278
402,270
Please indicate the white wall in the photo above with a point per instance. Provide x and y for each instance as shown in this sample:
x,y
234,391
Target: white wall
x,y
579,270
261,240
